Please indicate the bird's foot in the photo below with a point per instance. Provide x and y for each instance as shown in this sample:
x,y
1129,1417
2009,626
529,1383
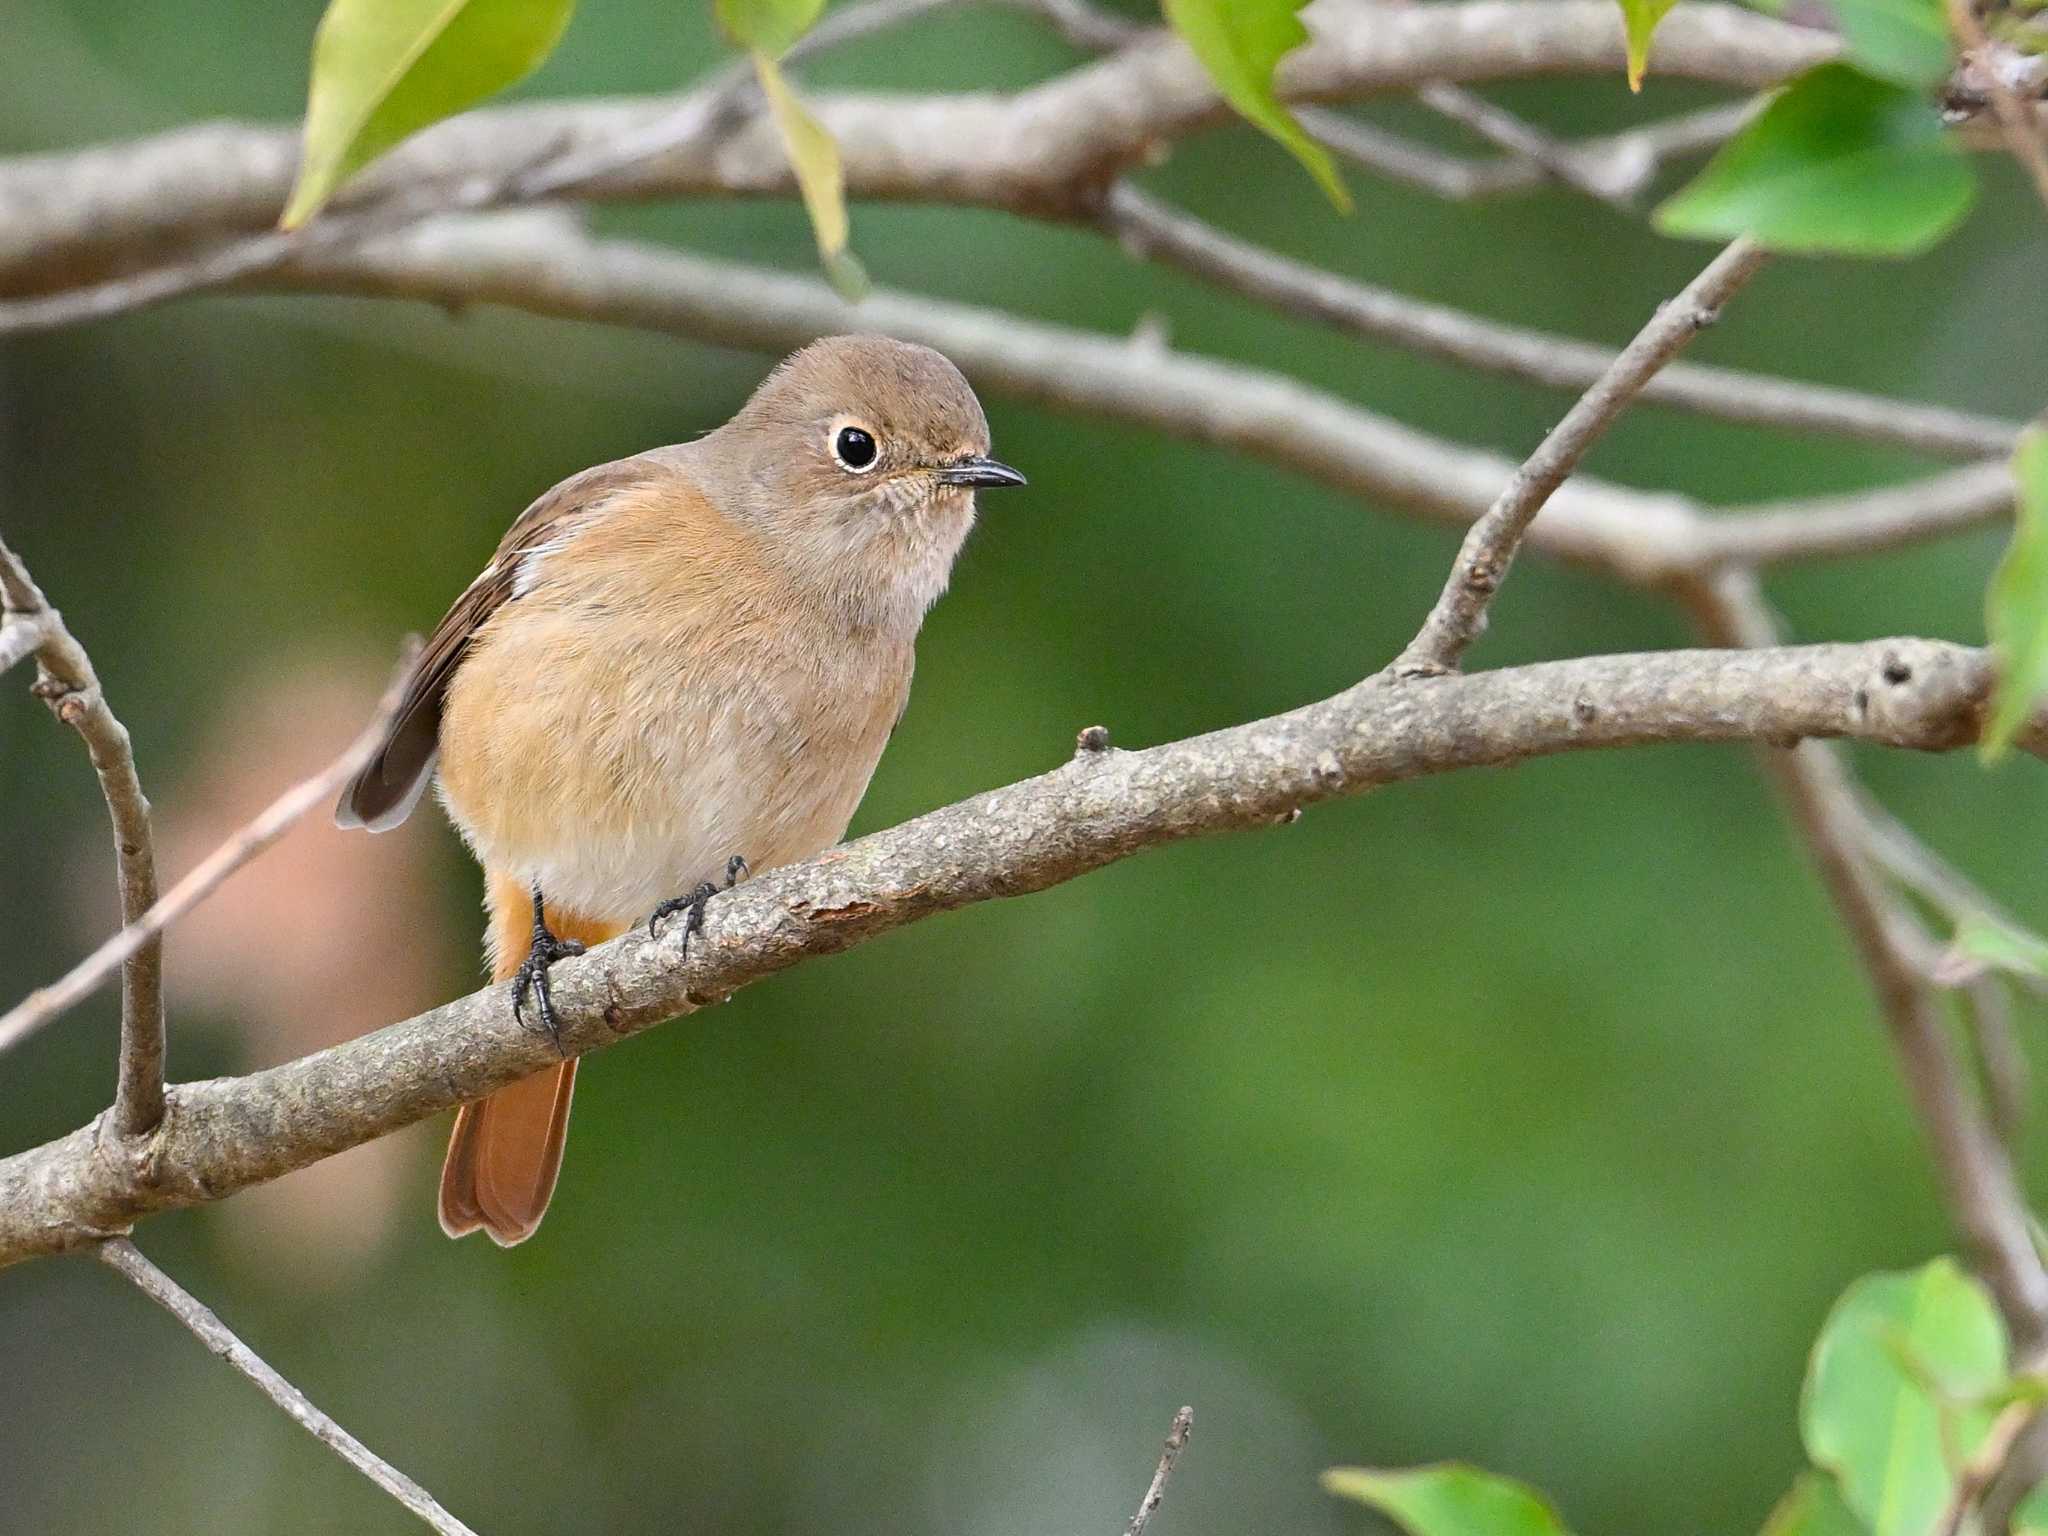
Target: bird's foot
x,y
694,904
532,976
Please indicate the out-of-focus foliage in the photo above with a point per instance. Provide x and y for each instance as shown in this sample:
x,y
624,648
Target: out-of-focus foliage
x,y
1905,1378
1532,1119
1839,162
1448,1500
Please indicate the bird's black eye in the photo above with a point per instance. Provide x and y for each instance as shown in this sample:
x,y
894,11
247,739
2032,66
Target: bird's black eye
x,y
854,448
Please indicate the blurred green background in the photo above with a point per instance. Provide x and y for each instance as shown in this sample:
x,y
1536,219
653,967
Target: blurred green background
x,y
1529,1117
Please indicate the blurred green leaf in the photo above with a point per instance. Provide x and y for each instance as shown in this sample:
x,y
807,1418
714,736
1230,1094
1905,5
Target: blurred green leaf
x,y
768,25
1813,1507
2000,946
1449,1499
814,158
2016,606
1240,42
1838,162
384,69
1639,20
1897,1386
1904,41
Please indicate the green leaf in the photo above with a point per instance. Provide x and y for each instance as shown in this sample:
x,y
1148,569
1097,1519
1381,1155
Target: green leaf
x,y
768,25
1904,41
2016,606
1899,1384
1639,19
1814,1507
2001,947
1448,1499
1838,162
1239,43
384,69
814,159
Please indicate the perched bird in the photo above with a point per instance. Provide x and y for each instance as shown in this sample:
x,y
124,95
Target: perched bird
x,y
677,664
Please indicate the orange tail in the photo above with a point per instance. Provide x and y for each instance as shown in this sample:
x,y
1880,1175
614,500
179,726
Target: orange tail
x,y
505,1156
507,1149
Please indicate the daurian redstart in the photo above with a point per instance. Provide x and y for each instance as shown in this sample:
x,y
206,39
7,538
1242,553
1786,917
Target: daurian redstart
x,y
677,664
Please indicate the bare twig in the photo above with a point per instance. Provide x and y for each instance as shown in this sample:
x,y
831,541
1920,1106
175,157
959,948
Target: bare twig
x,y
123,1256
1489,548
257,835
65,680
1504,130
229,1133
1859,523
1981,1470
1150,228
1624,161
1976,1170
2016,119
1176,1442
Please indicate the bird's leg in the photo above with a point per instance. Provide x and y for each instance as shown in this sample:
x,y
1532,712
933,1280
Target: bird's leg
x,y
695,902
533,975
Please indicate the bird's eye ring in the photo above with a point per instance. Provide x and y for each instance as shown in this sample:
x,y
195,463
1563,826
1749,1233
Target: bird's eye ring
x,y
855,449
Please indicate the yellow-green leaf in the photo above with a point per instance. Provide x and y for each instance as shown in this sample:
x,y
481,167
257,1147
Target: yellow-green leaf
x,y
384,69
1448,1499
1639,19
768,25
1239,43
814,159
2016,607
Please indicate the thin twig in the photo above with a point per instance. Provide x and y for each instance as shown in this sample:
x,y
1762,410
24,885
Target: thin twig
x,y
1624,162
121,1255
1974,1165
1504,130
1176,1442
257,835
1982,1469
1150,228
65,680
2016,120
1489,548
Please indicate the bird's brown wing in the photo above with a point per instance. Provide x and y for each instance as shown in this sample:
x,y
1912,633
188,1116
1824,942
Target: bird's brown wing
x,y
384,793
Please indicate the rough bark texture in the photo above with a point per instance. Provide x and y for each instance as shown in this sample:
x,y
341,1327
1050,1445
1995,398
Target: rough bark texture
x,y
1104,805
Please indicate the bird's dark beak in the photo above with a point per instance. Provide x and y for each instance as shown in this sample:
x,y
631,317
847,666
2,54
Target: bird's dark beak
x,y
978,471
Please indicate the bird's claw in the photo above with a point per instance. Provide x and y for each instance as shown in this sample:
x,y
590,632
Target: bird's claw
x,y
532,976
694,904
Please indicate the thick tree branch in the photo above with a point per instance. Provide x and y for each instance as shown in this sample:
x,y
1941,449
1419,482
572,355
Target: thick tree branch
x,y
543,264
65,680
224,1135
1489,548
123,1256
70,220
1150,228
